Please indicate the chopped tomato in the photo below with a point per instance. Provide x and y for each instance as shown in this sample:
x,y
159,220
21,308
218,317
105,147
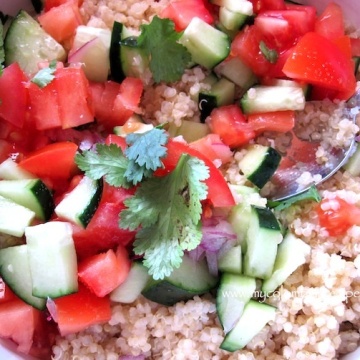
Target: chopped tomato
x,y
44,106
61,21
103,231
280,121
230,124
114,103
337,215
262,5
54,161
213,147
102,273
18,321
181,12
316,60
13,95
54,3
246,45
74,97
78,311
219,193
116,139
330,23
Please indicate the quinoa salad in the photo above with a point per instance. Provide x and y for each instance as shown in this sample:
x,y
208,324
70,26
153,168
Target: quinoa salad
x,y
317,307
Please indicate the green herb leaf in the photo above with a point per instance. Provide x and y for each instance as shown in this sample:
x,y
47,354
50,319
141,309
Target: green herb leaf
x,y
168,58
271,55
108,161
45,76
168,211
310,194
144,153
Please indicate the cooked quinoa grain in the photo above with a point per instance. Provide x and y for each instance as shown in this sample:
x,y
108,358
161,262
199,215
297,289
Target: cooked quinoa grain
x,y
318,315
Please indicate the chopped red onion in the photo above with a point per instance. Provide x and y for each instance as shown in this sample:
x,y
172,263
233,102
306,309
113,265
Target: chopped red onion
x,y
50,304
212,262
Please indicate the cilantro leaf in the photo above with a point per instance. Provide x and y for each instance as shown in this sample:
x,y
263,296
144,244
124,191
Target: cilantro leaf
x,y
45,76
108,161
144,153
168,58
310,194
168,211
2,51
270,55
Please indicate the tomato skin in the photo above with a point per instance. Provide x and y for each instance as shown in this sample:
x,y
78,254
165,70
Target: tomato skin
x,y
355,46
61,21
213,147
13,95
103,231
230,124
337,215
263,5
219,193
102,273
330,23
54,161
181,12
280,121
116,139
318,61
80,310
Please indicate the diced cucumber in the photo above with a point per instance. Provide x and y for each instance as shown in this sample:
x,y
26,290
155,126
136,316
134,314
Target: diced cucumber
x,y
207,45
30,193
232,20
28,44
240,6
52,259
190,279
236,71
292,253
131,288
134,60
259,164
10,170
353,164
231,260
272,98
255,316
15,270
233,294
289,83
84,34
189,130
221,93
262,240
14,218
80,204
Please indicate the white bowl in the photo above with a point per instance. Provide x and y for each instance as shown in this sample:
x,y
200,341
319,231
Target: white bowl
x,y
350,7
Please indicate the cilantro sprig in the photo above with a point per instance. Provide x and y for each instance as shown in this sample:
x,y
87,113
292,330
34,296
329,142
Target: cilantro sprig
x,y
168,58
168,209
141,158
165,210
45,76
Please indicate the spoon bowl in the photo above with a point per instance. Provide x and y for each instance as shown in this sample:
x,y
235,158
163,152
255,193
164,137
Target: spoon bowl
x,y
300,159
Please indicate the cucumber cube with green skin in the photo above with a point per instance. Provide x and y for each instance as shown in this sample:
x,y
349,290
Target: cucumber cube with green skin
x,y
207,45
255,316
30,193
231,260
15,270
262,240
52,259
190,279
292,253
14,218
234,292
10,170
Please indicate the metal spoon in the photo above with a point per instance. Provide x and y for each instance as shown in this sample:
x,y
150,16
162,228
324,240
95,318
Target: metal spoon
x,y
291,168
